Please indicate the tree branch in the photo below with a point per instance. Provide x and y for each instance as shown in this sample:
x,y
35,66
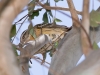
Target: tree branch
x,y
86,44
90,66
3,4
73,12
68,53
30,49
56,8
7,56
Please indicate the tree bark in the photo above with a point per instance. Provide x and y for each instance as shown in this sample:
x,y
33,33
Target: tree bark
x,y
8,64
29,50
90,66
69,52
85,41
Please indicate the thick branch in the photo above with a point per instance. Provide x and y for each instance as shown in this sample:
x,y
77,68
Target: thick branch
x,y
68,54
30,49
7,57
91,66
3,4
86,45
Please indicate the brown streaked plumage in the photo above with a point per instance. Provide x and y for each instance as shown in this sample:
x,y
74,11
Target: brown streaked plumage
x,y
56,33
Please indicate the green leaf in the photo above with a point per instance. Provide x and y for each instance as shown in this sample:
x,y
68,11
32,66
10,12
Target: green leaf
x,y
34,14
30,27
55,44
95,46
50,54
49,12
13,31
45,18
51,51
57,20
31,7
94,18
58,0
15,51
31,32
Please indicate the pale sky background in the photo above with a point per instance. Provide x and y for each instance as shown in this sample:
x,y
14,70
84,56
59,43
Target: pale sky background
x,y
37,68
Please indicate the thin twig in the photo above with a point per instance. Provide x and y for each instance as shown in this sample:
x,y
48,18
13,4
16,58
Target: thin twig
x,y
51,70
19,29
36,57
27,15
56,8
21,19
